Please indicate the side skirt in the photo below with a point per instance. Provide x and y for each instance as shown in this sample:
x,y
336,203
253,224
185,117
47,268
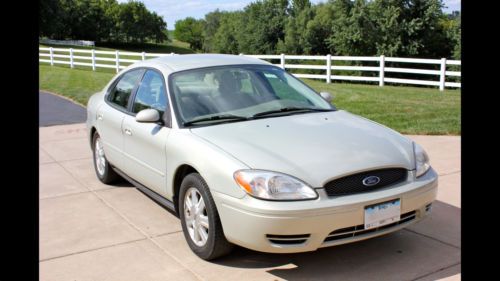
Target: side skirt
x,y
153,195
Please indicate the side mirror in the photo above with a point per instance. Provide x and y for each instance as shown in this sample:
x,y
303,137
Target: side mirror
x,y
148,116
326,96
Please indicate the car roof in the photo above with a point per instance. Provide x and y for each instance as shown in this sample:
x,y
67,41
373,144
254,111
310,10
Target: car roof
x,y
174,63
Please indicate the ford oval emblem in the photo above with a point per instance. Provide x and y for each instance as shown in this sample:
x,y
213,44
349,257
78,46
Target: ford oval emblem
x,y
371,181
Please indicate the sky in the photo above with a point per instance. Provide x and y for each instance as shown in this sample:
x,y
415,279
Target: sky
x,y
173,10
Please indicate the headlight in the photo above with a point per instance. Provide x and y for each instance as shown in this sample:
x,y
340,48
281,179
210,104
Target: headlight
x,y
273,186
421,160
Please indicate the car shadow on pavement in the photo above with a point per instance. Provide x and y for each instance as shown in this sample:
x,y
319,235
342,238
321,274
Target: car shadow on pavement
x,y
427,250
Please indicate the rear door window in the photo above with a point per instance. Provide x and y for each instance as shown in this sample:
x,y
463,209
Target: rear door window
x,y
120,93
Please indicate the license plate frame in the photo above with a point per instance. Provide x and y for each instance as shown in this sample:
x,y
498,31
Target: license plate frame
x,y
383,213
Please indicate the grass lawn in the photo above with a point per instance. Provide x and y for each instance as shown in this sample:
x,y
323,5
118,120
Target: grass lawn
x,y
76,84
409,110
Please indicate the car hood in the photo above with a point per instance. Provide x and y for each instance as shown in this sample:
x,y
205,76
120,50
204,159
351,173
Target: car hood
x,y
314,147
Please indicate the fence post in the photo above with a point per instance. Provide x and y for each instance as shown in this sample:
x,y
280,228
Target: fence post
x,y
93,59
283,61
172,53
328,68
51,56
381,71
71,57
442,74
241,54
143,55
117,59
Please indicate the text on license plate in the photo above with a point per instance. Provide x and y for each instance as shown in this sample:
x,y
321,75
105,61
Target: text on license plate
x,y
382,213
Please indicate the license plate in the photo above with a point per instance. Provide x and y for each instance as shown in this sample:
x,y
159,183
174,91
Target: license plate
x,y
382,213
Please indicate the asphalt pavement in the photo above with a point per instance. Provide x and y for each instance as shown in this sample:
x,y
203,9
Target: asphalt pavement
x,y
55,110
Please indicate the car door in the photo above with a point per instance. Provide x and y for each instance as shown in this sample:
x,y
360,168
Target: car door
x,y
110,115
144,143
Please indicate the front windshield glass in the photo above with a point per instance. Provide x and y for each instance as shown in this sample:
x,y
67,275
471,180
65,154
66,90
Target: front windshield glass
x,y
239,92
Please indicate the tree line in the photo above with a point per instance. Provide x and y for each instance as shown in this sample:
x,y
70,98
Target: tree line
x,y
406,28
100,21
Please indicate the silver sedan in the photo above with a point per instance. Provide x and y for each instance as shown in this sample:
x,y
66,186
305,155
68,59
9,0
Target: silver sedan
x,y
247,154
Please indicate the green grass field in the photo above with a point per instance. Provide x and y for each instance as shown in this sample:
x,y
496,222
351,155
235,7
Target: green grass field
x,y
409,110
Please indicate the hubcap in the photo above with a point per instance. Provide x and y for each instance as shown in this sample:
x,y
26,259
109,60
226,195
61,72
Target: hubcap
x,y
99,157
196,217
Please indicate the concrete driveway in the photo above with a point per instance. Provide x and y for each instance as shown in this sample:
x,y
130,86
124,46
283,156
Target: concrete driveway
x,y
92,231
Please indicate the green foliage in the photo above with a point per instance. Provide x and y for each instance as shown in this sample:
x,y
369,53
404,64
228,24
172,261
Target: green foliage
x,y
408,28
190,30
211,23
262,26
224,40
452,27
298,38
101,20
298,6
352,30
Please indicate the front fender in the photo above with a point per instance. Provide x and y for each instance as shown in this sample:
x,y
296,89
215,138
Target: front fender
x,y
214,164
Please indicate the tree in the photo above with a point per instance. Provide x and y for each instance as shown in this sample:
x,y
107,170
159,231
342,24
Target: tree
x,y
49,19
297,38
190,30
100,20
414,28
226,38
212,24
262,26
298,6
409,28
319,29
352,29
452,27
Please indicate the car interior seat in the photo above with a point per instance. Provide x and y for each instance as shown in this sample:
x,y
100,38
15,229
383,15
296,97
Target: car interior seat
x,y
190,106
230,95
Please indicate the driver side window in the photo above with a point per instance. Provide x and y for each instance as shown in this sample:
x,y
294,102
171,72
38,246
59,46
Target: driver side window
x,y
151,93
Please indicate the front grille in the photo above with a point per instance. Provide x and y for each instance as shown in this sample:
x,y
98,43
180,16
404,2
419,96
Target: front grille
x,y
288,239
357,230
353,184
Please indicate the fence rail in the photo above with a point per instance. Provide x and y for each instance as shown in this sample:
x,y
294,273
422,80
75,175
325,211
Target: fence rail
x,y
119,60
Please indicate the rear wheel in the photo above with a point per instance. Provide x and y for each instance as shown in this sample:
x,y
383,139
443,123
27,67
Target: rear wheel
x,y
200,220
103,170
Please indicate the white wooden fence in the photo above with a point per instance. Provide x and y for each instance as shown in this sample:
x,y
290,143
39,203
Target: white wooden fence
x,y
119,60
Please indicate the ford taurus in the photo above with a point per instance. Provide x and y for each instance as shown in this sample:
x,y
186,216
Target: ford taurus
x,y
246,154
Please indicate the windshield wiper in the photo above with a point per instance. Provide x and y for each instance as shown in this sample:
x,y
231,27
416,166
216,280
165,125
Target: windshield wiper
x,y
289,109
215,118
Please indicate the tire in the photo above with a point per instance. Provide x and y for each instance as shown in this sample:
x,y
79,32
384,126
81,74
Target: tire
x,y
216,244
104,173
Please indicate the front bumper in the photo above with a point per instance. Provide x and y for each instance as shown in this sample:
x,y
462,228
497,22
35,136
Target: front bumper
x,y
258,224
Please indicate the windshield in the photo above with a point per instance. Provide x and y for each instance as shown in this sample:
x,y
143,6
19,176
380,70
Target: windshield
x,y
236,93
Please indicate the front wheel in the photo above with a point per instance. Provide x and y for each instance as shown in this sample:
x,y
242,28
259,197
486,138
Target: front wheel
x,y
200,220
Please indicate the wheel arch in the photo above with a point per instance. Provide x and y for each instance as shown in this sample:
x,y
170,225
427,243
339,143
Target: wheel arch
x,y
91,136
180,173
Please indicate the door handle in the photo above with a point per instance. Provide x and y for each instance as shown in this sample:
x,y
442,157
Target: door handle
x,y
128,132
99,117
